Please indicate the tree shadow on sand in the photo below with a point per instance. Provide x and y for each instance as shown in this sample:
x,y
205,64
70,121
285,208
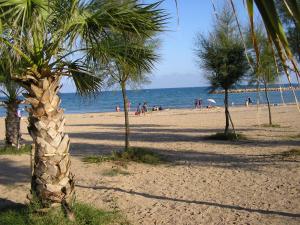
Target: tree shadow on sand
x,y
214,204
202,159
12,173
179,135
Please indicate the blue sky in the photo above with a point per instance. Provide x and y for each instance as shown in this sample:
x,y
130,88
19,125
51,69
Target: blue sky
x,y
178,65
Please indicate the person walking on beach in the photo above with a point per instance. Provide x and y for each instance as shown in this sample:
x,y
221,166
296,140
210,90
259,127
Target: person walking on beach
x,y
139,109
117,108
128,105
196,103
145,108
200,103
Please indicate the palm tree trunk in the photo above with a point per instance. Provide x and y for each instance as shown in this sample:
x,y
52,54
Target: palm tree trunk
x,y
12,124
268,101
125,102
226,112
52,183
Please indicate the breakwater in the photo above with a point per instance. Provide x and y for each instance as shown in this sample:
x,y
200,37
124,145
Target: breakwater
x,y
246,90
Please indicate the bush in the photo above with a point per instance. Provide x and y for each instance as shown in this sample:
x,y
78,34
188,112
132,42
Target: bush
x,y
229,137
84,214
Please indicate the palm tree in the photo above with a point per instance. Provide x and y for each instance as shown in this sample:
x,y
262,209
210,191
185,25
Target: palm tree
x,y
11,91
123,70
222,57
55,38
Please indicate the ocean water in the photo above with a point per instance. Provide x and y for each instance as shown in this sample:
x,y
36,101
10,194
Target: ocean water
x,y
172,98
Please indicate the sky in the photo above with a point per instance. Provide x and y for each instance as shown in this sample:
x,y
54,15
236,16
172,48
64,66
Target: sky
x,y
178,65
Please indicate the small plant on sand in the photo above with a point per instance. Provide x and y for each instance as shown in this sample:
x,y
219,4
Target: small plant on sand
x,y
227,137
25,149
84,215
139,155
114,172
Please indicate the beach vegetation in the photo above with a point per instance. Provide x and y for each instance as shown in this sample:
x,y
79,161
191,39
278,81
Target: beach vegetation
x,y
64,38
132,154
11,91
12,150
221,55
84,215
266,69
230,136
114,172
122,70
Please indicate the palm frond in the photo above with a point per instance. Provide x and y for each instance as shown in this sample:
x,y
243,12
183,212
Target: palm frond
x,y
86,82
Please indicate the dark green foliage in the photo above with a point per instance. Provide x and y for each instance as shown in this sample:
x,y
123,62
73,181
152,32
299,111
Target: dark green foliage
x,y
139,155
85,215
221,53
227,137
290,25
26,149
222,56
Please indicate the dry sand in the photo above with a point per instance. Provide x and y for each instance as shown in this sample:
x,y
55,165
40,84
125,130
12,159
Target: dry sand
x,y
208,182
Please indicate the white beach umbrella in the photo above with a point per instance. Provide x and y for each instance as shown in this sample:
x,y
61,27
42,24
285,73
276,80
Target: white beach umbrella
x,y
211,100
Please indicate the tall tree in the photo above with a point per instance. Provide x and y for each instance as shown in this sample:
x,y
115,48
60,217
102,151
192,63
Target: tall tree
x,y
266,69
56,39
123,70
221,55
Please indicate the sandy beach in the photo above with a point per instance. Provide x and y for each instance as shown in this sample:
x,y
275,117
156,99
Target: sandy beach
x,y
206,181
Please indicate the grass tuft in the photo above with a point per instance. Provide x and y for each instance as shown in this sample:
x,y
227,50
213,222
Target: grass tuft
x,y
229,137
84,214
114,172
272,125
25,149
139,155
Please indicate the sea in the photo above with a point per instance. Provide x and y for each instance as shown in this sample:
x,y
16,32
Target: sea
x,y
167,98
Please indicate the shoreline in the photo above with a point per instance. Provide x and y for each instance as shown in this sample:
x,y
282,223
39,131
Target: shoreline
x,y
175,109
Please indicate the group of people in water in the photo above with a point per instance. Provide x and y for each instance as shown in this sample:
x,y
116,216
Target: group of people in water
x,y
141,109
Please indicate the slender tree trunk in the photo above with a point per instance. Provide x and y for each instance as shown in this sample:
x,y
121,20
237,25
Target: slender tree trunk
x,y
12,124
125,102
268,101
52,183
226,112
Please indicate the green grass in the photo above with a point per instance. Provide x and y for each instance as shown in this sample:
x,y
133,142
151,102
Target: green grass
x,y
97,159
84,214
114,172
25,149
139,155
229,137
